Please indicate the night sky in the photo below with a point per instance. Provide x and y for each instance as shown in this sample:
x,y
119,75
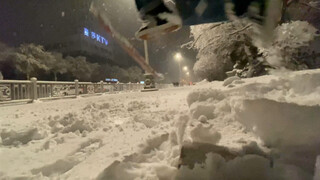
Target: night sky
x,y
17,24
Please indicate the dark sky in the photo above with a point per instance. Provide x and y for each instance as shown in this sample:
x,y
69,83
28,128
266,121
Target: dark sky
x,y
18,15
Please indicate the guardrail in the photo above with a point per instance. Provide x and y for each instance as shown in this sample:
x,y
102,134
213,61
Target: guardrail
x,y
20,91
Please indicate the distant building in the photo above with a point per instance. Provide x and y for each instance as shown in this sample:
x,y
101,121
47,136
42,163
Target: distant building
x,y
64,26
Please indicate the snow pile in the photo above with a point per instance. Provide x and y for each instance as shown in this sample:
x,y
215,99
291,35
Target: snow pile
x,y
256,129
73,122
283,111
12,137
157,159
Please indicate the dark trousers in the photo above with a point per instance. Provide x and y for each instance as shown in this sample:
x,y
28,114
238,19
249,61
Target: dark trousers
x,y
194,11
150,7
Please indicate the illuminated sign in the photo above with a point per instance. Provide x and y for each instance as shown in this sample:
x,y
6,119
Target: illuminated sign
x,y
111,80
95,36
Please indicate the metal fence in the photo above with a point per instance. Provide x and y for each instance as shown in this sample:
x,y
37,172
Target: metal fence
x,y
15,91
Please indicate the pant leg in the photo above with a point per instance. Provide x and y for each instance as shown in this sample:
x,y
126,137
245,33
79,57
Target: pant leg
x,y
146,6
195,12
142,3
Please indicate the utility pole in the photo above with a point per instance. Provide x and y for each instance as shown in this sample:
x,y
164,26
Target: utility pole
x,y
146,53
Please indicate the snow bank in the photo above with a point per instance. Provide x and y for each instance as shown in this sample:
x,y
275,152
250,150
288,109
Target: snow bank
x,y
283,111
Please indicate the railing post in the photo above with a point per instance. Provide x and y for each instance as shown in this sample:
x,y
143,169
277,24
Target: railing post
x,y
76,85
101,86
20,94
34,93
51,90
12,91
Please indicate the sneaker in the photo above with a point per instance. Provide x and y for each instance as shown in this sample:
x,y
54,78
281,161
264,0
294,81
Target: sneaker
x,y
154,26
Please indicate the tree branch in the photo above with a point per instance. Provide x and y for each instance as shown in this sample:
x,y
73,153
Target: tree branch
x,y
209,28
240,30
308,5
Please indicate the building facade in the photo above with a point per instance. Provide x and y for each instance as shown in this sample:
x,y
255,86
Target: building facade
x,y
64,26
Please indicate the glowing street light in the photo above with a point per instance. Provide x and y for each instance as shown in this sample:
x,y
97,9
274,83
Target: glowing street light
x,y
178,56
187,73
185,68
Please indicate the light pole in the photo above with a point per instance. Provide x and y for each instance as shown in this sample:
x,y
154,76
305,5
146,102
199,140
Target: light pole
x,y
146,51
178,58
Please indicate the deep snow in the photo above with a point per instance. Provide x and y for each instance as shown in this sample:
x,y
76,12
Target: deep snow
x,y
258,128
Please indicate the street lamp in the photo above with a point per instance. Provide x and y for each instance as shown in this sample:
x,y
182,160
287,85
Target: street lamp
x,y
178,58
185,68
187,73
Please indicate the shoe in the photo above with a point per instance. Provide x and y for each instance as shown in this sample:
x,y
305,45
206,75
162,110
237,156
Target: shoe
x,y
158,25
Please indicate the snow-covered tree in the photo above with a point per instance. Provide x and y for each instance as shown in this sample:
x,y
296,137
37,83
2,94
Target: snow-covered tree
x,y
221,46
230,47
28,57
120,73
59,65
80,68
135,74
5,51
292,48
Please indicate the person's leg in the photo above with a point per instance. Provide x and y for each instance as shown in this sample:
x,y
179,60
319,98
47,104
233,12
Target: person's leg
x,y
150,7
195,12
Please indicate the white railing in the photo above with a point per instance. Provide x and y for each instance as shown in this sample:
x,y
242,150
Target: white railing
x,y
20,91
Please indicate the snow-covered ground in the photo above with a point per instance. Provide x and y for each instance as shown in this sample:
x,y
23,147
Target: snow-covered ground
x,y
241,129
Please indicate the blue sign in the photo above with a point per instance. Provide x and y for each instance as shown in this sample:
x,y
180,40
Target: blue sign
x,y
141,82
112,80
95,36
